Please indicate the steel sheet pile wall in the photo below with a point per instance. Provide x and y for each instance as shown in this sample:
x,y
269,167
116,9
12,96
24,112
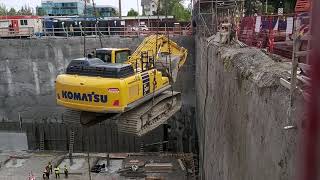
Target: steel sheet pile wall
x,y
99,138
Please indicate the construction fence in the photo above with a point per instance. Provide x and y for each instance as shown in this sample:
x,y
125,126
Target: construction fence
x,y
274,33
93,31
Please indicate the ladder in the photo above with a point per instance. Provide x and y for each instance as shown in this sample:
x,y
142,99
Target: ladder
x,y
188,158
298,53
161,148
41,140
71,142
142,147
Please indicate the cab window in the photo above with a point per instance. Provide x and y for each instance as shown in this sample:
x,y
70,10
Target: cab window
x,y
122,56
106,57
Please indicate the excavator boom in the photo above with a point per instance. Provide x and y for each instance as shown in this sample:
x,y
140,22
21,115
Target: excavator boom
x,y
163,50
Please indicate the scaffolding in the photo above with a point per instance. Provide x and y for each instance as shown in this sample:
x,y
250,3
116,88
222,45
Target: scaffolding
x,y
208,14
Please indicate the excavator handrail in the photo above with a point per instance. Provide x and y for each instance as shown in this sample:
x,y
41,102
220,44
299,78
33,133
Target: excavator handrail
x,y
162,42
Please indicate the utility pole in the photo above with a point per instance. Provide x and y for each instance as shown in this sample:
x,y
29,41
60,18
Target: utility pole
x,y
138,6
84,23
266,6
120,9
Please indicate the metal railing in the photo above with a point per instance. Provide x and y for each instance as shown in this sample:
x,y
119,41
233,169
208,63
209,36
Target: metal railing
x,y
16,32
93,31
109,31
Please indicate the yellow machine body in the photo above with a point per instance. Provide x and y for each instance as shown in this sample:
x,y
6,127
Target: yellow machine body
x,y
106,95
117,95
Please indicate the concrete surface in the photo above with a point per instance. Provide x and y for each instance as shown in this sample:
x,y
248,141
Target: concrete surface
x,y
13,141
35,163
32,163
77,164
241,119
115,165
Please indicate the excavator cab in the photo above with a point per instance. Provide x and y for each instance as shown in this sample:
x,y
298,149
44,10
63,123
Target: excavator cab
x,y
113,55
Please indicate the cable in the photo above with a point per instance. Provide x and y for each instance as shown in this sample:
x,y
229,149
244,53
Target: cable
x,y
97,25
84,25
154,58
169,49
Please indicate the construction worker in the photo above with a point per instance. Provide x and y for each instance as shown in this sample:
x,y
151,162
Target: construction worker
x,y
57,172
66,172
46,171
31,176
45,174
50,167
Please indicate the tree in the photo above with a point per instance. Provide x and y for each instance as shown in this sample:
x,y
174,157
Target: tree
x,y
258,6
3,10
289,6
12,12
132,12
181,13
25,10
114,12
252,7
40,11
174,8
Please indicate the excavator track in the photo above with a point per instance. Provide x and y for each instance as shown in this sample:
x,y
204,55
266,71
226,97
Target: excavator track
x,y
138,121
151,114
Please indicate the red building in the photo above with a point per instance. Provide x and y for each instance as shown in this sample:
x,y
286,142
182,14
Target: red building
x,y
19,26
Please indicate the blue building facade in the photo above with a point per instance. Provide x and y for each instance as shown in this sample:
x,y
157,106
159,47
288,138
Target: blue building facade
x,y
73,8
62,7
106,11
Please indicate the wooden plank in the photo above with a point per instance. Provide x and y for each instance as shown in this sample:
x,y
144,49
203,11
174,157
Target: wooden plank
x,y
284,42
285,83
183,168
302,53
306,37
158,167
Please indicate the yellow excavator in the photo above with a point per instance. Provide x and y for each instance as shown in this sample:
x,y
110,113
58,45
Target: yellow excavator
x,y
134,89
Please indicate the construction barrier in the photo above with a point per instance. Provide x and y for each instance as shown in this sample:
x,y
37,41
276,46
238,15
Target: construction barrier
x,y
274,33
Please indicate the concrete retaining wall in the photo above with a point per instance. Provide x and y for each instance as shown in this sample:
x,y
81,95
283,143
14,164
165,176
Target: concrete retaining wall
x,y
241,119
28,69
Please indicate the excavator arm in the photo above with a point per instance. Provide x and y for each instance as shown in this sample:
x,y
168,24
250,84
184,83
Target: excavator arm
x,y
166,53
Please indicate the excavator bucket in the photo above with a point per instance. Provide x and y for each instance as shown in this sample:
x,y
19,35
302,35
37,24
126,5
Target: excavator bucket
x,y
169,66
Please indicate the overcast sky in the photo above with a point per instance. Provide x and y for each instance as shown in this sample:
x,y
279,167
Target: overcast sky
x,y
126,4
